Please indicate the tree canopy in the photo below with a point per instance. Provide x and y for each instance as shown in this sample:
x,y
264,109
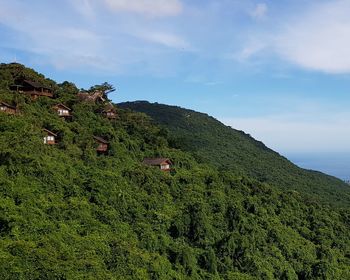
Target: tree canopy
x,y
210,141
67,212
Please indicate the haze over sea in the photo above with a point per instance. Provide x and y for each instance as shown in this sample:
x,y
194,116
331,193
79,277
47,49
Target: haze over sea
x,y
336,164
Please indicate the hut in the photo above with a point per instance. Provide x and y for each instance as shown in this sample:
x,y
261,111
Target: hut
x,y
33,89
50,137
63,111
7,108
110,112
164,164
102,145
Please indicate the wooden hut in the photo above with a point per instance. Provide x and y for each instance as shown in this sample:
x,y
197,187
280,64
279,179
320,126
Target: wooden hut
x,y
110,112
7,108
33,89
63,111
103,145
164,164
50,137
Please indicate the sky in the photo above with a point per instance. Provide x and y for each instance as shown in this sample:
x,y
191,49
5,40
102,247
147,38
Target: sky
x,y
277,69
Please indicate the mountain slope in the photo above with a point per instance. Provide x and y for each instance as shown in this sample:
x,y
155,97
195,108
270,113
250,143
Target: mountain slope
x,y
67,212
212,142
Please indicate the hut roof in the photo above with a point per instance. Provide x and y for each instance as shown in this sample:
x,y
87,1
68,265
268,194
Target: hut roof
x,y
35,84
64,106
99,139
7,105
156,161
109,107
49,132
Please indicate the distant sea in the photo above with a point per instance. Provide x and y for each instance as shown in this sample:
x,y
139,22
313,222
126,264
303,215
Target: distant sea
x,y
336,164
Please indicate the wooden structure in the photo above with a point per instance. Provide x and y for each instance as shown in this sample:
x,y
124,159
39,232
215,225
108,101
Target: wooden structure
x,y
164,164
110,112
7,108
63,111
33,89
103,145
50,137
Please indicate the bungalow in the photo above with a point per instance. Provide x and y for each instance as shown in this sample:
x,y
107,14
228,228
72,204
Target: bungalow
x,y
8,109
102,145
50,137
32,88
164,164
63,111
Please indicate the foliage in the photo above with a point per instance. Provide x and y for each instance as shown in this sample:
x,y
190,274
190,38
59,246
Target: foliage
x,y
69,213
105,87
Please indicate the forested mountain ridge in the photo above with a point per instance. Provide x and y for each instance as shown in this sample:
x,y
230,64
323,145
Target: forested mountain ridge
x,y
67,212
212,142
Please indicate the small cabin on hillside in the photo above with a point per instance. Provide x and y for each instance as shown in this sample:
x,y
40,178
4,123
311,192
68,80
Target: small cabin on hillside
x,y
110,112
164,164
103,145
33,89
50,137
63,111
7,108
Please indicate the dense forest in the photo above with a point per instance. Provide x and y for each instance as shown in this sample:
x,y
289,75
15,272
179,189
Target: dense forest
x,y
68,212
212,142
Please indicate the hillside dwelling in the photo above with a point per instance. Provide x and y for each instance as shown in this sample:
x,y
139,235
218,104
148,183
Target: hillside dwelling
x,y
110,112
50,137
164,164
102,145
7,108
33,89
63,111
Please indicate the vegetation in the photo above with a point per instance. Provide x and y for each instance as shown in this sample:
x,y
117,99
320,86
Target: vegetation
x,y
68,213
212,142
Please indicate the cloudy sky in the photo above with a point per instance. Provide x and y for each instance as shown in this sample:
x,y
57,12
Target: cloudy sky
x,y
276,69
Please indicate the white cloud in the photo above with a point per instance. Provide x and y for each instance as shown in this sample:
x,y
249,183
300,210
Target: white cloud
x,y
319,39
248,51
153,8
85,8
60,45
213,83
298,133
165,39
104,46
202,80
259,12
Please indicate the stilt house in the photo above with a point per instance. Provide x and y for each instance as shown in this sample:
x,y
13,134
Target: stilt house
x,y
33,89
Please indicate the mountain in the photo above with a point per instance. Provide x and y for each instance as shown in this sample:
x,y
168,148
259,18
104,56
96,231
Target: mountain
x,y
69,211
210,141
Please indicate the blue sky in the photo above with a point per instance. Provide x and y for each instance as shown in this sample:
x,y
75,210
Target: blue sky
x,y
278,70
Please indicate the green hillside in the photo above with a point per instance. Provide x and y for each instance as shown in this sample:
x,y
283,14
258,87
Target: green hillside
x,y
67,212
210,141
